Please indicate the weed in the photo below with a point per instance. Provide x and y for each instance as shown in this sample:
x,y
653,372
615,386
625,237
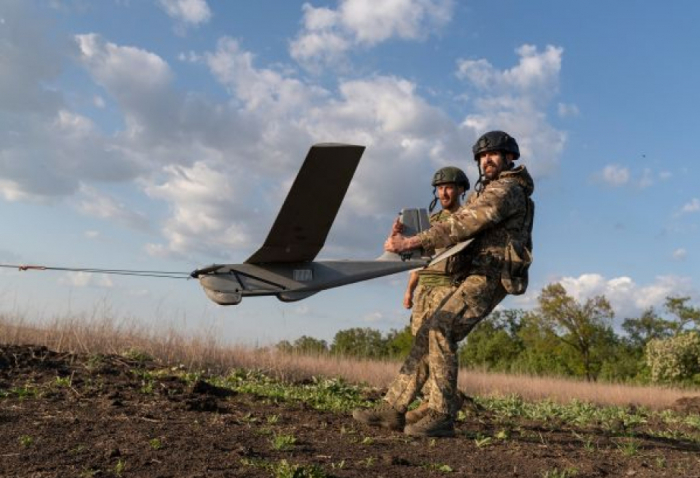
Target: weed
x,y
438,467
89,473
503,434
283,442
78,449
248,418
61,382
322,394
556,473
26,441
338,466
273,419
137,355
660,462
432,443
22,393
629,447
155,443
284,469
482,441
367,462
119,467
367,441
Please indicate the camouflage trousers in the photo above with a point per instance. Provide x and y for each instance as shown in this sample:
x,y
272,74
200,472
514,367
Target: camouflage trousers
x,y
433,357
426,299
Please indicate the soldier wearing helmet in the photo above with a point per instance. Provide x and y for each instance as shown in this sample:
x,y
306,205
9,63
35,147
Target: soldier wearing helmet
x,y
498,219
428,287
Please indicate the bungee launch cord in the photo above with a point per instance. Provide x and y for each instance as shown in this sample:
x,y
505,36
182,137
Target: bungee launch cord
x,y
122,272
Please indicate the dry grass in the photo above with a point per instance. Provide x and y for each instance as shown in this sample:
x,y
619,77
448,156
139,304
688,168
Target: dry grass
x,y
93,335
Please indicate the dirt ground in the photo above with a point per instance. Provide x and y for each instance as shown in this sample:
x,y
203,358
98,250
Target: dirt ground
x,y
71,415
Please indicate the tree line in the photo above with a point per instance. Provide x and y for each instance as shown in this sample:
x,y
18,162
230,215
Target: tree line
x,y
561,336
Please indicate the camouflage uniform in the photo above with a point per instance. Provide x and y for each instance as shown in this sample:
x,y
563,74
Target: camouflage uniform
x,y
434,284
491,217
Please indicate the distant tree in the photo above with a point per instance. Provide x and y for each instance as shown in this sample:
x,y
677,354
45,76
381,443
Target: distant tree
x,y
359,342
284,346
648,326
310,345
675,359
685,314
583,327
494,344
399,342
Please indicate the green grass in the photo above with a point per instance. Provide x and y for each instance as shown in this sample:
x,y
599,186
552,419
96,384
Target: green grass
x,y
329,394
282,442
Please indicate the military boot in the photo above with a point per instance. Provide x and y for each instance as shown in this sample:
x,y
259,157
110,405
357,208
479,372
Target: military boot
x,y
412,416
383,415
433,424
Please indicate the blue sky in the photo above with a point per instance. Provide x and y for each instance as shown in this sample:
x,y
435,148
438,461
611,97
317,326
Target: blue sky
x,y
164,134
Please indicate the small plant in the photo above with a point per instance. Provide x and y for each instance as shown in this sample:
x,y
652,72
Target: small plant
x,y
503,435
63,382
26,441
629,447
367,462
444,468
556,473
119,467
283,442
89,473
284,469
155,443
137,355
273,419
482,441
367,441
338,466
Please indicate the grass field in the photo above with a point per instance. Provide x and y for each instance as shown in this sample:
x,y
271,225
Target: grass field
x,y
208,352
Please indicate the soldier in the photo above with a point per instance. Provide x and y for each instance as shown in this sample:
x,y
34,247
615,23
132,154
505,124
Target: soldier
x,y
498,217
427,287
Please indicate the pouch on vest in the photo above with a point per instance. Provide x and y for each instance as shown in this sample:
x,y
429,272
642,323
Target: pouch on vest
x,y
516,263
518,256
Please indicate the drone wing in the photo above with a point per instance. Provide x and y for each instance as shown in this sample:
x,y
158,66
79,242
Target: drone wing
x,y
309,210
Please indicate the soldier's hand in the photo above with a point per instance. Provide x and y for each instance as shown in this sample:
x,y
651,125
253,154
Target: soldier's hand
x,y
408,299
399,243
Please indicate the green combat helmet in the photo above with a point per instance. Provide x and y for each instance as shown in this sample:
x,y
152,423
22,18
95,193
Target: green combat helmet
x,y
448,174
496,141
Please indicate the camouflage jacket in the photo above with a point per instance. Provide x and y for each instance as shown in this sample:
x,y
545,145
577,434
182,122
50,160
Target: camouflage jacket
x,y
502,209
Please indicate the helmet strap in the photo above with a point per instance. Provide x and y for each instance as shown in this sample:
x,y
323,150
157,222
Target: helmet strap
x,y
433,203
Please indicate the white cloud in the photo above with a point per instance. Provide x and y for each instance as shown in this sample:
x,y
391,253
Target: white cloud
x,y
516,100
627,298
615,175
329,34
86,279
567,110
680,254
692,206
95,204
191,12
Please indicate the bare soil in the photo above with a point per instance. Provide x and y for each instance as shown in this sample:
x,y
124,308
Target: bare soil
x,y
74,415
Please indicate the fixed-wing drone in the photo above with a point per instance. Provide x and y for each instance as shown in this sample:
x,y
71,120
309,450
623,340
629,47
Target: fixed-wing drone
x,y
284,266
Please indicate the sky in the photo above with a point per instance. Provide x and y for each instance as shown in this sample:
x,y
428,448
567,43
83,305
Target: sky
x,y
165,134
